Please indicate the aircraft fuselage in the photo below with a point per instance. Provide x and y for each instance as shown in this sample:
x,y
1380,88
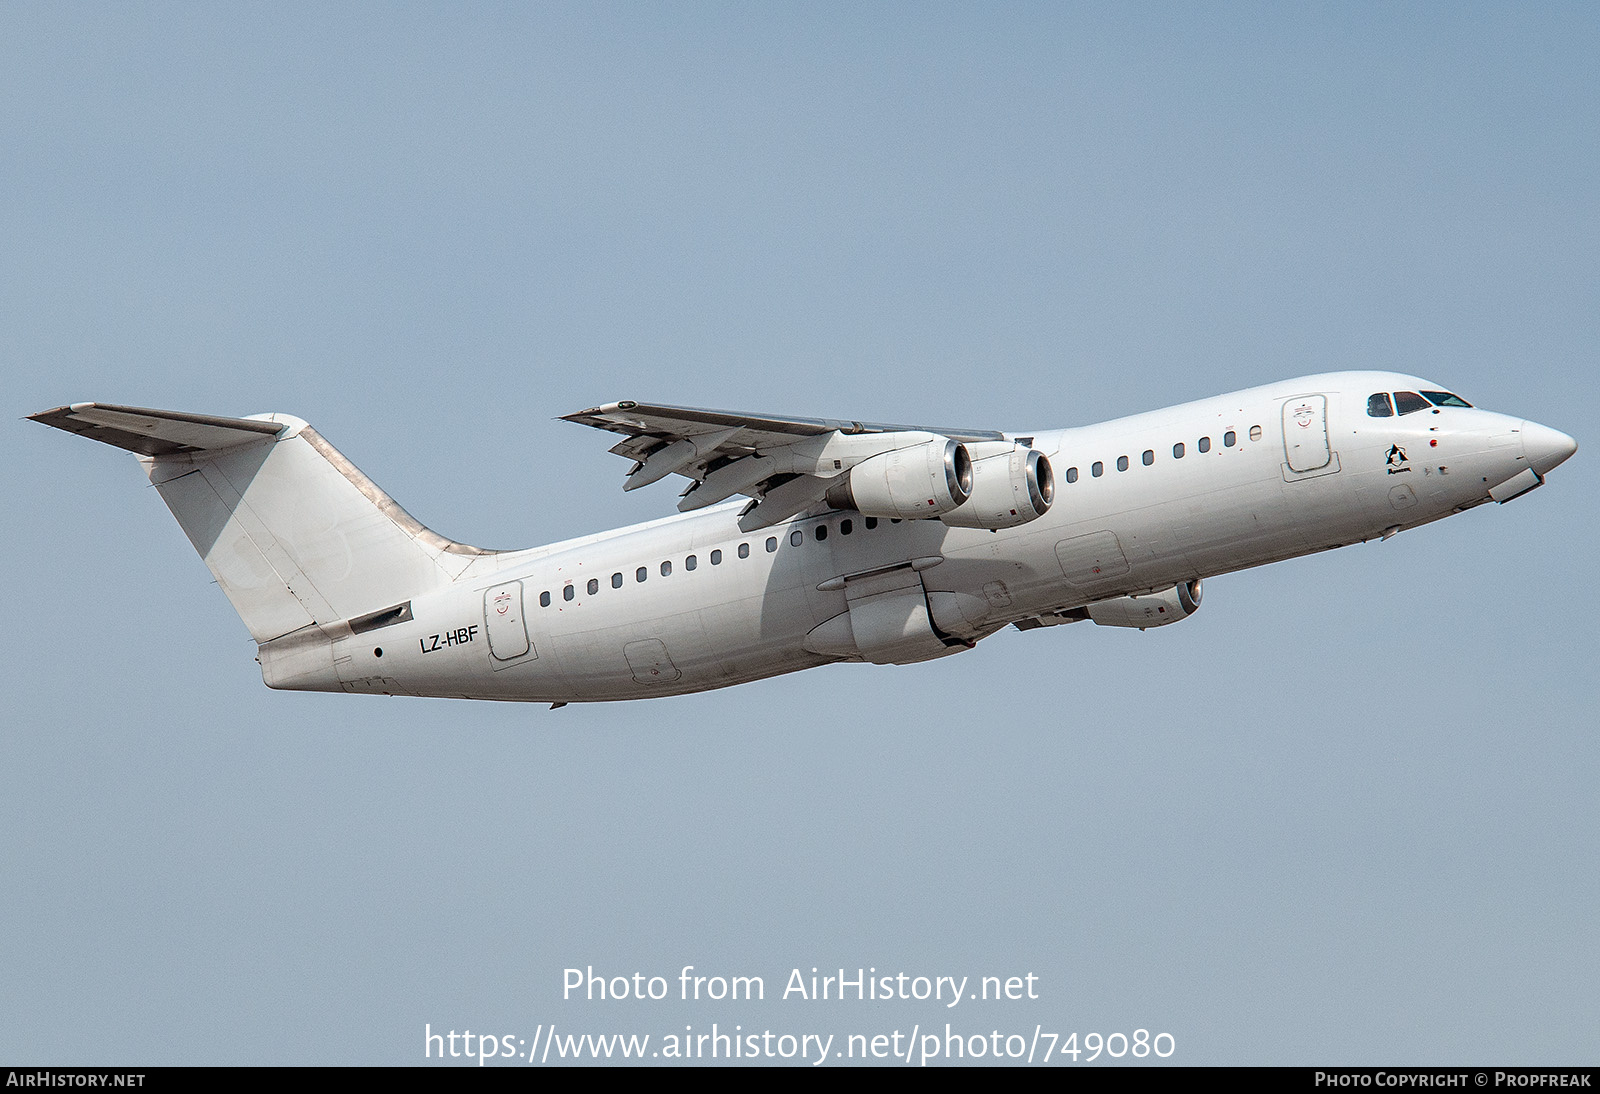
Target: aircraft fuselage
x,y
1142,504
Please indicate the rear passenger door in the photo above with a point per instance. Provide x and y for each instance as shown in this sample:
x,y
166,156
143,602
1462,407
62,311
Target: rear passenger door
x,y
504,622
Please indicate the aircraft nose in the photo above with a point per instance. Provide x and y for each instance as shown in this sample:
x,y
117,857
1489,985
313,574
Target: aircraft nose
x,y
1545,447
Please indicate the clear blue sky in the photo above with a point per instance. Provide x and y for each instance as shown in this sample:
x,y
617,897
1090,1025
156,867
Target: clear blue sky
x,y
1345,814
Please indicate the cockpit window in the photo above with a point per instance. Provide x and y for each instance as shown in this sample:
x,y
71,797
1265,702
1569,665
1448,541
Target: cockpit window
x,y
1409,402
1378,406
1444,398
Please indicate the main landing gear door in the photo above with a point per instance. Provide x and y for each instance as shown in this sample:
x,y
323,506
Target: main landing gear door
x,y
503,622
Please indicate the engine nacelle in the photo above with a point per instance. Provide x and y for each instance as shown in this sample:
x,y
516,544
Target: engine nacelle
x,y
914,483
1010,487
1150,610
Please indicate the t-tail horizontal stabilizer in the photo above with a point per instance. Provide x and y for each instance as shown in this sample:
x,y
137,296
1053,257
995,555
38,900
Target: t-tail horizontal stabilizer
x,y
157,432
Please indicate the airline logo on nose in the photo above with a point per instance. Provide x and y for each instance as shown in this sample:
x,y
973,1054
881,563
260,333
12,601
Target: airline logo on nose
x,y
1397,460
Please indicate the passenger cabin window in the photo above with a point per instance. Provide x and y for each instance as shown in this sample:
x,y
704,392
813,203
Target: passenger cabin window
x,y
544,600
821,532
1149,457
772,544
846,527
1097,469
666,569
1177,451
690,563
716,558
1444,398
1204,445
796,538
616,581
1072,474
1409,402
1122,463
744,550
594,585
640,574
568,593
1229,439
1378,406
871,523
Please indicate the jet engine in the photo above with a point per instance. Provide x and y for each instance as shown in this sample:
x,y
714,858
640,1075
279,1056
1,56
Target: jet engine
x,y
924,480
1011,485
1150,610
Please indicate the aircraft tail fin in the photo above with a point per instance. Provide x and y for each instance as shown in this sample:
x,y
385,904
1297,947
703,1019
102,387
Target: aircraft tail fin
x,y
293,531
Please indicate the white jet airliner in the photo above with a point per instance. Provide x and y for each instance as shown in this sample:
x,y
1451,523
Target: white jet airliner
x,y
805,541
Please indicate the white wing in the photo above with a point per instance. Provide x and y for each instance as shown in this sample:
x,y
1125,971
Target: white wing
x,y
785,464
